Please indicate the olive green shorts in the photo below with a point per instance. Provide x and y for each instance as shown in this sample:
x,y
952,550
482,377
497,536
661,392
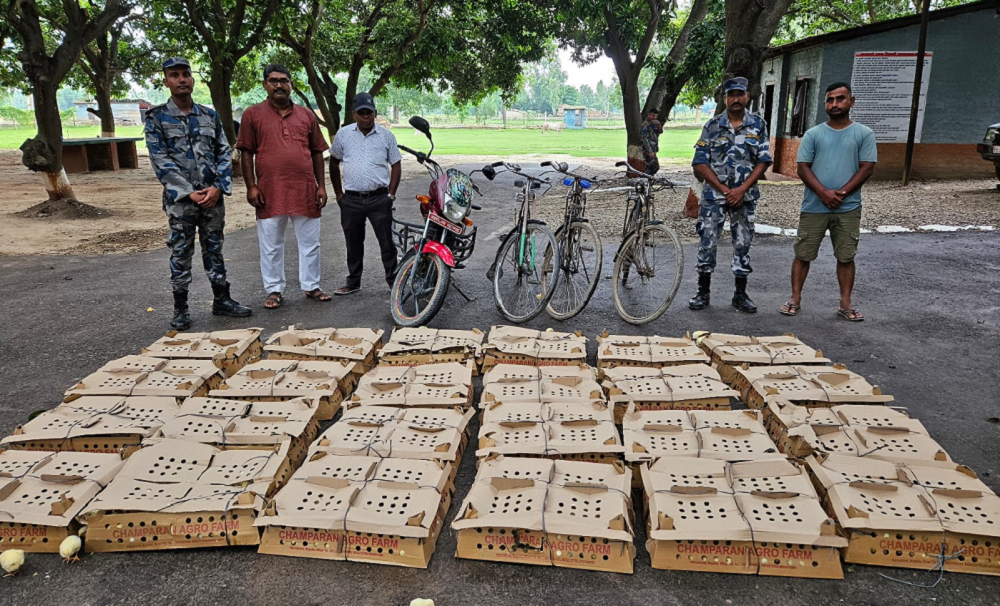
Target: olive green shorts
x,y
845,231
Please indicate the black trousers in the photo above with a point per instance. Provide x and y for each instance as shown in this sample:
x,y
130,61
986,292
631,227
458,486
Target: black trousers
x,y
354,210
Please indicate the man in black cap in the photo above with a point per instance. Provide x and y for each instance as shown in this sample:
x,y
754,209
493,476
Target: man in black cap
x,y
730,156
371,175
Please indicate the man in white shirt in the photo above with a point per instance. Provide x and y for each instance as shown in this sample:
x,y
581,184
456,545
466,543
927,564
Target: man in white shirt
x,y
371,175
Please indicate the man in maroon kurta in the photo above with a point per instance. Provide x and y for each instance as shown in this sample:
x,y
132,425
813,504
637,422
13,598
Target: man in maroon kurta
x,y
282,163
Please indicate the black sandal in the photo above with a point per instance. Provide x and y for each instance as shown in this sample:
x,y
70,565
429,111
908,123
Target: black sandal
x,y
273,301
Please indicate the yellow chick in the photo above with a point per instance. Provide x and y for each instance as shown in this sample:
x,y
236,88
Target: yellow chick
x,y
69,548
12,560
421,602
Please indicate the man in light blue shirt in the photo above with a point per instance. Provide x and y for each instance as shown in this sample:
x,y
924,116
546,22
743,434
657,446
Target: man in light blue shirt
x,y
835,159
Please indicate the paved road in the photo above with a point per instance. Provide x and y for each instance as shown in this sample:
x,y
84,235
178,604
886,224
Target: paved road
x,y
932,339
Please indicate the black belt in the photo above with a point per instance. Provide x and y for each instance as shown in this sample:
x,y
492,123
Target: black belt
x,y
368,194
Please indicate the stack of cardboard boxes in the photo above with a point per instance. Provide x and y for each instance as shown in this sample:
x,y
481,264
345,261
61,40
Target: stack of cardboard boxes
x,y
551,488
378,483
198,443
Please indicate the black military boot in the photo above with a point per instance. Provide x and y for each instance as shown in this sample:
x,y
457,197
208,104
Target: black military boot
x,y
224,304
701,300
182,319
740,299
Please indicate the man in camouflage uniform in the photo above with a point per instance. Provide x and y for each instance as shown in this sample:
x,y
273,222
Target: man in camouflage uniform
x,y
192,159
649,133
730,156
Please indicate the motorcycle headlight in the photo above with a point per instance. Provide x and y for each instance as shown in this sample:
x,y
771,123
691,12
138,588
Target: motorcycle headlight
x,y
453,210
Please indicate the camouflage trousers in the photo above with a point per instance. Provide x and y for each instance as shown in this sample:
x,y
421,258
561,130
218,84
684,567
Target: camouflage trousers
x,y
652,164
185,218
711,220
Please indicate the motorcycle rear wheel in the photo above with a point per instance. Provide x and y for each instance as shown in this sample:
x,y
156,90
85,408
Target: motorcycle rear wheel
x,y
431,282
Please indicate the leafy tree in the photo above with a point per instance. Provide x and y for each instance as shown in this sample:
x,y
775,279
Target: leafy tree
x,y
470,47
750,25
46,62
695,53
107,65
225,35
815,17
587,97
624,30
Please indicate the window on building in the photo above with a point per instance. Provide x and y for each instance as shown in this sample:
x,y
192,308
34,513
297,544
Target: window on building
x,y
800,101
769,107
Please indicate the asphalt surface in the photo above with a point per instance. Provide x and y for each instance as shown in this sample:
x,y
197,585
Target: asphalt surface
x,y
932,339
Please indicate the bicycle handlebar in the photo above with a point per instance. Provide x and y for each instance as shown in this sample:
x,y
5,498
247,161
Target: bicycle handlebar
x,y
642,175
557,167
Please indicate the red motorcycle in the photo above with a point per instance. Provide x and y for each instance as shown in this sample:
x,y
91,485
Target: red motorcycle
x,y
432,250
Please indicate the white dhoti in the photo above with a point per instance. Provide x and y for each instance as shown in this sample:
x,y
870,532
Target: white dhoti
x,y
271,237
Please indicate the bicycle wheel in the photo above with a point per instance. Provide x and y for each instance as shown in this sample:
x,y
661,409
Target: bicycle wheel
x,y
647,273
579,272
519,289
416,299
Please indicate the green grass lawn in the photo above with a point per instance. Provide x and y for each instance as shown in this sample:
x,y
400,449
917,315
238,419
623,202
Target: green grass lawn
x,y
674,143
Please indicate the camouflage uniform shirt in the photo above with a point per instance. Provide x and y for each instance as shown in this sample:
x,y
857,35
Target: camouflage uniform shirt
x,y
188,151
732,154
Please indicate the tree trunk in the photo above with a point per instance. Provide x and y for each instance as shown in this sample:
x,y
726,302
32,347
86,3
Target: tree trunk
x,y
750,25
103,95
503,114
351,89
633,120
220,86
43,153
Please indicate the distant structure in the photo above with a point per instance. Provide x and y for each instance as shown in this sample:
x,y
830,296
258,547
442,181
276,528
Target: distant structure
x,y
960,99
574,116
126,112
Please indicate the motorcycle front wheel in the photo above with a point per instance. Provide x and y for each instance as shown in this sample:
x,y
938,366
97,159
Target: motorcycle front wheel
x,y
419,290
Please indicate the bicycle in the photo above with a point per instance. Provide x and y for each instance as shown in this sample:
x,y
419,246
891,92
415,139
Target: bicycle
x,y
519,289
580,245
648,247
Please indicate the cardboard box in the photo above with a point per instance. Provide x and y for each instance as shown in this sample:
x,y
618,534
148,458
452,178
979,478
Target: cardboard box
x,y
879,432
580,431
548,513
41,494
230,350
759,517
687,387
729,352
357,345
431,434
513,383
726,435
178,494
367,509
110,424
445,385
910,515
527,347
805,386
327,383
423,345
242,425
614,351
149,376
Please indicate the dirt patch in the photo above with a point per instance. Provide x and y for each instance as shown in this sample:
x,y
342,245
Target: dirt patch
x,y
129,240
63,209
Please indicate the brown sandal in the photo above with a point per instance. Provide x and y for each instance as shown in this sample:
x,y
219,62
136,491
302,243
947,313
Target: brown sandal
x,y
318,295
273,301
851,315
790,309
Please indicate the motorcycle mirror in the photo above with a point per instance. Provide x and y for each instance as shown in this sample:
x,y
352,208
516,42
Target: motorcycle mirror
x,y
563,167
421,125
489,172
